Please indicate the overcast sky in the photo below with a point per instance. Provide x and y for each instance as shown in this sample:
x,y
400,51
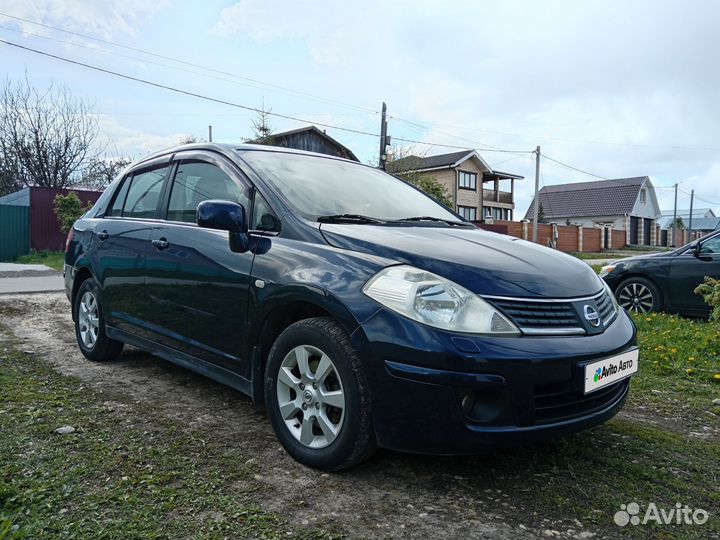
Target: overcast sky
x,y
616,88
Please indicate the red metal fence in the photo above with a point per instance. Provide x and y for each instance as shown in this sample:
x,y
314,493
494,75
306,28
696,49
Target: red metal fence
x,y
567,238
45,230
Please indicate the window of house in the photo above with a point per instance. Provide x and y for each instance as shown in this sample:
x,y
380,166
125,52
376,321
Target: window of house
x,y
643,195
467,180
142,195
468,212
196,182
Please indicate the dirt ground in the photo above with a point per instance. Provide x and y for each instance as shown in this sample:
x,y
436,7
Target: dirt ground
x,y
391,495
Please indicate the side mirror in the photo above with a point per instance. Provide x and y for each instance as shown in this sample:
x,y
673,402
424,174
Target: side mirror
x,y
226,216
696,249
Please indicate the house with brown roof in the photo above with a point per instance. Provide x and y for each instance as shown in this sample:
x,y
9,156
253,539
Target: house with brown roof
x,y
310,139
465,175
628,204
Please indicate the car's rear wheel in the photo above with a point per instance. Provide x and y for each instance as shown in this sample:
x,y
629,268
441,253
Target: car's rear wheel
x,y
317,396
90,325
638,295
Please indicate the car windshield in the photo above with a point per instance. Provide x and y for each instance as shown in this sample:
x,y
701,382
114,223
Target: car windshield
x,y
330,188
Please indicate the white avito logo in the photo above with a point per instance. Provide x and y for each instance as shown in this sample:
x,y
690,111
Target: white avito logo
x,y
679,515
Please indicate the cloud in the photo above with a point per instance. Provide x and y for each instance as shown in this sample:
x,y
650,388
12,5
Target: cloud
x,y
124,141
101,19
616,88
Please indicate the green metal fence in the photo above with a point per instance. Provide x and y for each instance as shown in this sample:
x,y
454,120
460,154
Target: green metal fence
x,y
14,231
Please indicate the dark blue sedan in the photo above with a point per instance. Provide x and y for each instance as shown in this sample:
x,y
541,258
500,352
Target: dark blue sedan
x,y
361,312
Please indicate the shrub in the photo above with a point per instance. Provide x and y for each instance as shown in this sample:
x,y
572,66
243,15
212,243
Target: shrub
x,y
710,291
68,209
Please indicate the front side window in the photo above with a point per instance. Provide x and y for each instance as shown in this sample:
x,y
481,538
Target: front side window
x,y
142,194
317,186
467,180
197,181
711,246
468,212
264,218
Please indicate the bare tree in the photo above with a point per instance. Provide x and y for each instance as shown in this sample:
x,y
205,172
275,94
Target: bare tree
x,y
45,135
190,139
98,173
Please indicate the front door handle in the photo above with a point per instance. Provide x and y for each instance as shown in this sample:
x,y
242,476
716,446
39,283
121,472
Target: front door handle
x,y
103,236
160,244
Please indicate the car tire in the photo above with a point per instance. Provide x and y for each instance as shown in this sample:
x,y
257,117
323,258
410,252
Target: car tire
x,y
90,325
639,295
316,395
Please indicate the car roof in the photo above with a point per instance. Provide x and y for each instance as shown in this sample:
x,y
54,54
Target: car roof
x,y
229,150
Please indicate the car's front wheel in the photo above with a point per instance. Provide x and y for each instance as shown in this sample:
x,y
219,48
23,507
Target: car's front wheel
x,y
90,325
317,397
638,295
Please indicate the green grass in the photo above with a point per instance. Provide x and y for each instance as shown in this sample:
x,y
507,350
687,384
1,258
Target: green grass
x,y
122,475
680,366
53,259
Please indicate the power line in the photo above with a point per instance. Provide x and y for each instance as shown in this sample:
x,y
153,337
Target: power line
x,y
179,90
700,198
573,168
222,101
184,70
463,147
191,64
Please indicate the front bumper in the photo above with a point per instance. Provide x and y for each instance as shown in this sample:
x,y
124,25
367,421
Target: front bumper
x,y
517,389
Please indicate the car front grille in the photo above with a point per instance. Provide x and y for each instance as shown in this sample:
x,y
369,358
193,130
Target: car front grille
x,y
555,317
554,404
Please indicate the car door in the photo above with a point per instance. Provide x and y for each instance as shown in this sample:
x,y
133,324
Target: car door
x,y
688,270
197,286
123,237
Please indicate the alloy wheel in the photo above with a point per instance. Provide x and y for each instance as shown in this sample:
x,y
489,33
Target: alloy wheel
x,y
88,320
636,297
310,396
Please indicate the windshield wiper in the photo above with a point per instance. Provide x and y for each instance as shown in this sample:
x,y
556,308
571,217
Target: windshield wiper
x,y
431,218
349,218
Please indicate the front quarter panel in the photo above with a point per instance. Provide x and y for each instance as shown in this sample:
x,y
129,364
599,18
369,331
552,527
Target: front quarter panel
x,y
330,278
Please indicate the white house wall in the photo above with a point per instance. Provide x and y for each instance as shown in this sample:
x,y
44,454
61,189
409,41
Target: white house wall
x,y
650,208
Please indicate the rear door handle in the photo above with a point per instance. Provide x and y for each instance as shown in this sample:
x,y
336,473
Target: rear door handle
x,y
161,244
103,235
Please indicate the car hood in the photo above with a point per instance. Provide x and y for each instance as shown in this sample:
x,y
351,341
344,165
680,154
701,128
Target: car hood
x,y
481,261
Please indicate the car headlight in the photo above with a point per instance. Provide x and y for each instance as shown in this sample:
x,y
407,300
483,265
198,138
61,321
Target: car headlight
x,y
605,270
430,299
612,296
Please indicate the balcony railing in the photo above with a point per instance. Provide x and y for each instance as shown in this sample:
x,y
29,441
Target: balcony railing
x,y
502,196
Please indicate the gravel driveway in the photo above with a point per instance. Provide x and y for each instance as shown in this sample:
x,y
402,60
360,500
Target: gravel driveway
x,y
392,495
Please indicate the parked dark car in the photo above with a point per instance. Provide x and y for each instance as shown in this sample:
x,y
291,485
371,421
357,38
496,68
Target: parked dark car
x,y
666,281
361,312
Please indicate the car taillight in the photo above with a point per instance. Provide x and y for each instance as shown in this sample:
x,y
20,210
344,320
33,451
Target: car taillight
x,y
68,240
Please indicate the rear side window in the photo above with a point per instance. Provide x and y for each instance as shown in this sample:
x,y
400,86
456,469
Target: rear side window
x,y
117,206
196,182
138,195
144,193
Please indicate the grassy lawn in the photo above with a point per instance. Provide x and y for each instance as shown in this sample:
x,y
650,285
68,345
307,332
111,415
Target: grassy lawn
x,y
53,259
122,475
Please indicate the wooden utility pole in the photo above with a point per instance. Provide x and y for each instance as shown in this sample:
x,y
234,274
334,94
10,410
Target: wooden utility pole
x,y
692,196
674,222
382,161
537,189
209,133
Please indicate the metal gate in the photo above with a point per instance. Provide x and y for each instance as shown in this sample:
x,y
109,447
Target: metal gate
x,y
634,226
647,229
14,231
